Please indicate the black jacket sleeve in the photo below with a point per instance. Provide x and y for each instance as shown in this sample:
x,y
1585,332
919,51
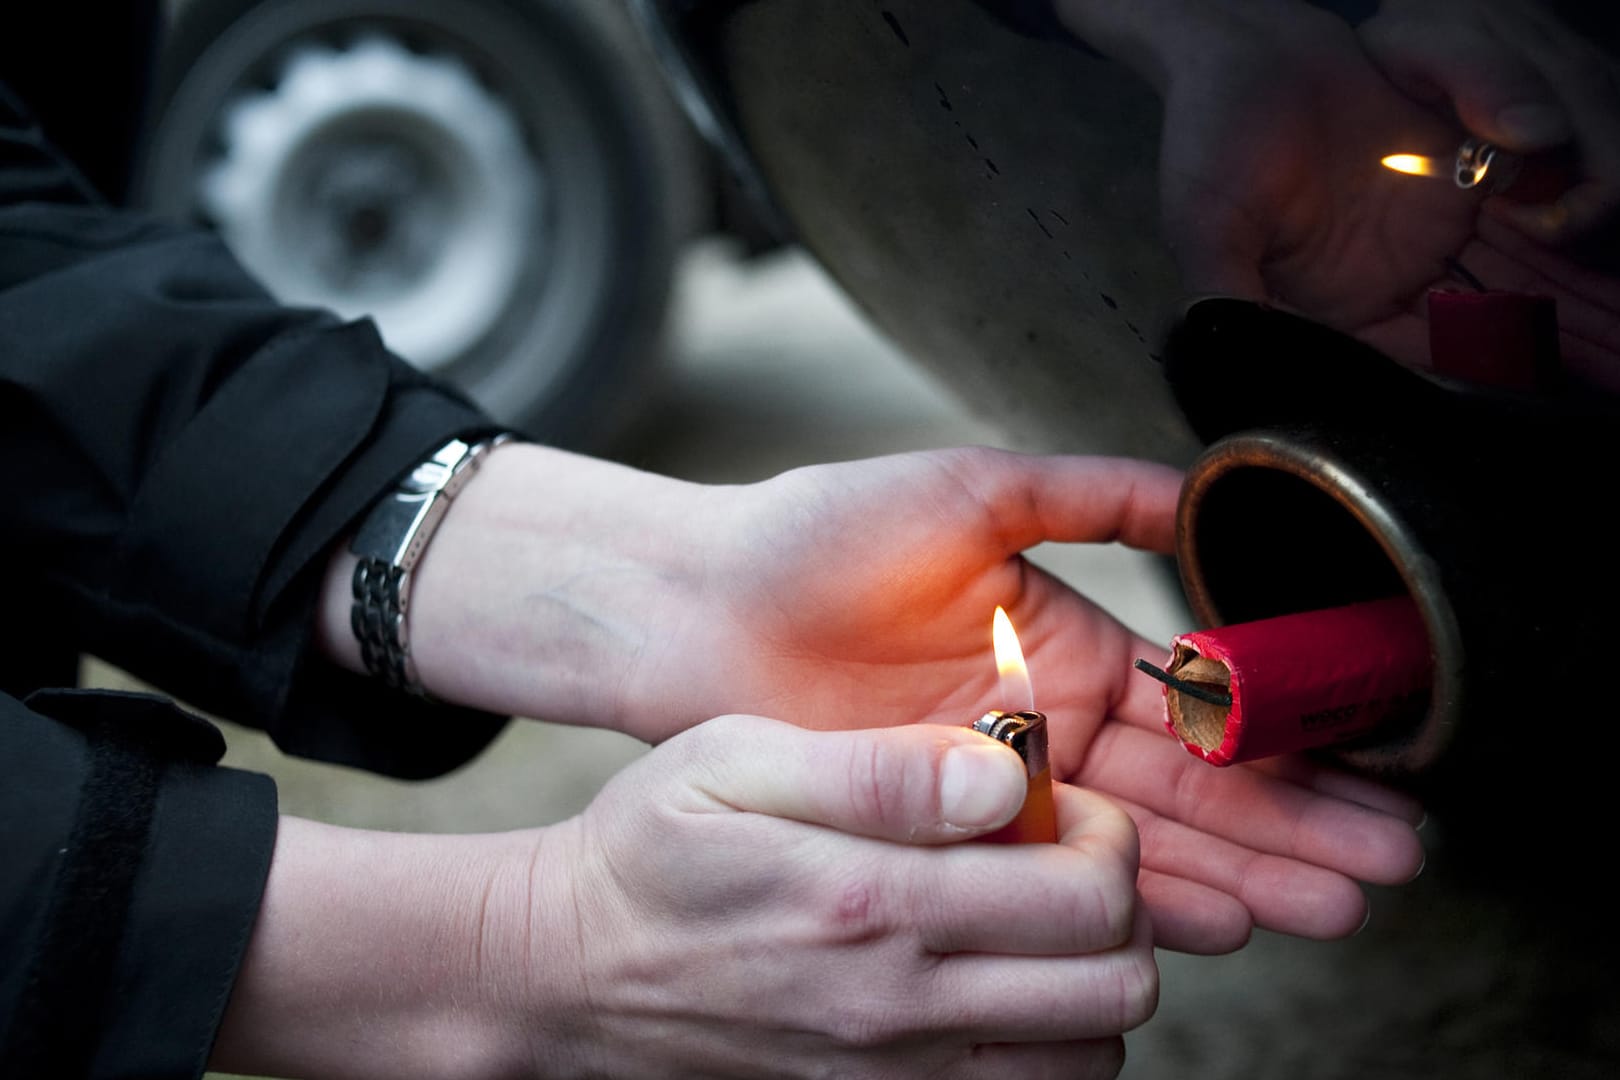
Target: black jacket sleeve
x,y
183,452
131,874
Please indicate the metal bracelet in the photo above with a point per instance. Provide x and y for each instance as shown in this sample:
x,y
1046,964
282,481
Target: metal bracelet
x,y
378,620
389,544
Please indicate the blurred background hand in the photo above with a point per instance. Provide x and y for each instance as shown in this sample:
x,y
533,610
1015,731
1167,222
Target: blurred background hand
x,y
1276,118
1516,74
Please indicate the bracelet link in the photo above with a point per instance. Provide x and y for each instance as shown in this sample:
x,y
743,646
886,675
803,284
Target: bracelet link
x,y
389,544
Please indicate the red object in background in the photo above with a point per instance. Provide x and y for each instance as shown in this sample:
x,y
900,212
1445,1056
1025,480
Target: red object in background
x,y
1503,339
1300,681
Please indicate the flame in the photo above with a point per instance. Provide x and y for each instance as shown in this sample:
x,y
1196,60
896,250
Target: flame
x,y
1412,164
1016,692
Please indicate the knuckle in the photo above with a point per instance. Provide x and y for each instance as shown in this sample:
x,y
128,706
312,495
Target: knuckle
x,y
1119,911
1113,914
699,753
866,766
973,460
978,473
1105,911
861,1022
853,911
1138,987
892,783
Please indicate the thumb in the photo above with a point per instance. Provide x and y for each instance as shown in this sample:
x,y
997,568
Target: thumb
x,y
1496,92
921,783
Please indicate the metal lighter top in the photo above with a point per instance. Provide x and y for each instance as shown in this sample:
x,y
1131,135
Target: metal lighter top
x,y
1024,731
1482,163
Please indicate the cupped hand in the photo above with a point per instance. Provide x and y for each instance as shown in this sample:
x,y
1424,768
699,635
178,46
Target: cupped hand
x,y
757,899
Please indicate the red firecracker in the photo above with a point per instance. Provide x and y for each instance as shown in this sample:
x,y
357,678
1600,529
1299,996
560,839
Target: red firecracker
x,y
1276,686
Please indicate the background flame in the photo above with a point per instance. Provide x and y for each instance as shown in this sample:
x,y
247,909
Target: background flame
x,y
1016,692
1411,164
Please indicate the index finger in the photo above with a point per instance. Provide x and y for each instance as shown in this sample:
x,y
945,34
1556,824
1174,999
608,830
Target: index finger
x,y
1075,897
1070,499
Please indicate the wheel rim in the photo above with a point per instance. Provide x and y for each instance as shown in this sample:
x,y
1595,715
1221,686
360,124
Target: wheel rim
x,y
380,182
593,248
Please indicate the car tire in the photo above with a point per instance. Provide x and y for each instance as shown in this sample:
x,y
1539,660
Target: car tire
x,y
485,180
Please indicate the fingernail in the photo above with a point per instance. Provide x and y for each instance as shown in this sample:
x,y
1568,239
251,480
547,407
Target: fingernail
x,y
1364,921
1534,126
1419,872
973,786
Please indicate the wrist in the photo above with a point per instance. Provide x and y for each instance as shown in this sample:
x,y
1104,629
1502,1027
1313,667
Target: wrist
x,y
364,617
368,959
552,576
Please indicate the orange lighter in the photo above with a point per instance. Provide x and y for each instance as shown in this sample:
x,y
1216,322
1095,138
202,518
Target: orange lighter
x,y
1025,732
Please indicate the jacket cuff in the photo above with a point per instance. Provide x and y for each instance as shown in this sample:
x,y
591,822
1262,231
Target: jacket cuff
x,y
153,892
245,645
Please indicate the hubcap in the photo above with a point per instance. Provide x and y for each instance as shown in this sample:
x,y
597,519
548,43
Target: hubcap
x,y
377,181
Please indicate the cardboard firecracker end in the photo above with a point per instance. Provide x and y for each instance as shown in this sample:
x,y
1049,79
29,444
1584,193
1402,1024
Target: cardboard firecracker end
x,y
1298,682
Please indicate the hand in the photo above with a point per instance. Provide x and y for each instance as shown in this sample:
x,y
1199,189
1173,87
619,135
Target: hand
x,y
860,594
750,899
719,905
1276,120
1514,74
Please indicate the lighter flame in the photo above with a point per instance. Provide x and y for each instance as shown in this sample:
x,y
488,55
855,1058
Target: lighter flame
x,y
1016,692
1412,164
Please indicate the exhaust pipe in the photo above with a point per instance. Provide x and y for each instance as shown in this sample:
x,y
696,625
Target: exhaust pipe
x,y
1279,521
1336,476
